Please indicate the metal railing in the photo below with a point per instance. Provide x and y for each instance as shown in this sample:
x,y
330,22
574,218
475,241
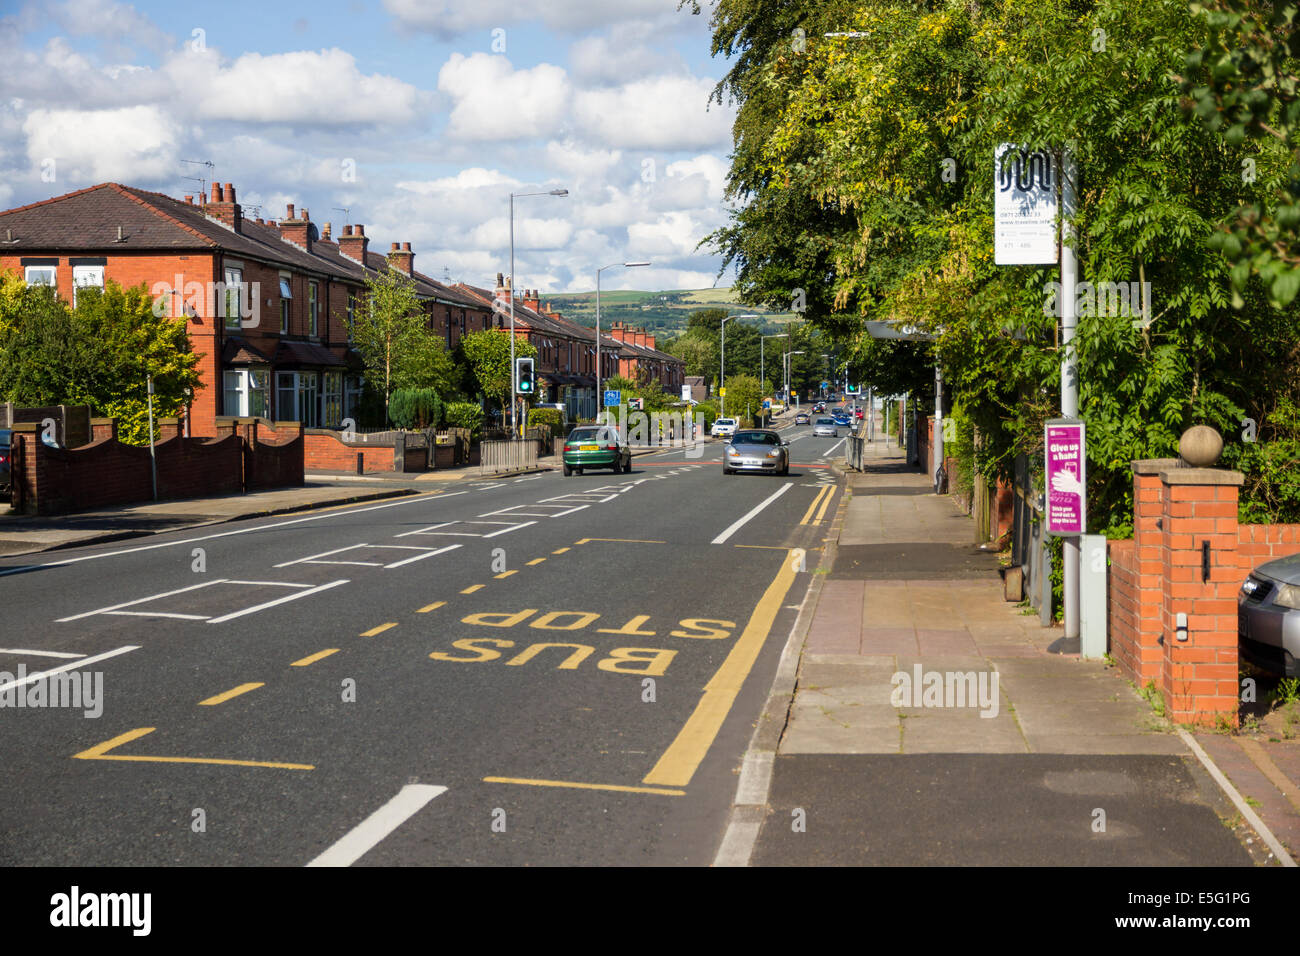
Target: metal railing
x,y
499,457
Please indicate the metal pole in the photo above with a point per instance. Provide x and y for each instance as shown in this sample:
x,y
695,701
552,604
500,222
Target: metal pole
x,y
938,424
153,461
600,398
1069,376
722,371
514,382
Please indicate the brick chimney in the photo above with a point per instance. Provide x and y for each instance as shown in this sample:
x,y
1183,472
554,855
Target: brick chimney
x,y
402,258
296,230
223,207
354,243
325,233
530,299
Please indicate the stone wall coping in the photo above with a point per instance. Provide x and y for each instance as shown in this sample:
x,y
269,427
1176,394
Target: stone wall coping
x,y
1201,476
1154,466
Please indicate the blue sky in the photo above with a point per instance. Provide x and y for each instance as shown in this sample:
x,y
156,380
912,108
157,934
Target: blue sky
x,y
418,116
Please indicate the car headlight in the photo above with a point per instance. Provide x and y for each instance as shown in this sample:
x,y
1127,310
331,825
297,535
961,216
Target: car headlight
x,y
732,451
1288,595
773,454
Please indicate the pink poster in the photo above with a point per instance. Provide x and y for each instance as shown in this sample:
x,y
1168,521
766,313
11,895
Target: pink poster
x,y
1065,477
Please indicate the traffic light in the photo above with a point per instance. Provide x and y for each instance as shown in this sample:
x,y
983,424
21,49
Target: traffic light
x,y
524,376
854,390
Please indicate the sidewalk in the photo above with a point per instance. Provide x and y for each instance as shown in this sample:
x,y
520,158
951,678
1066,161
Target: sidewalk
x,y
930,724
22,534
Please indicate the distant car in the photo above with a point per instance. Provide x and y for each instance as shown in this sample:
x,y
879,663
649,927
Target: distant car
x,y
857,412
841,417
724,428
819,407
803,418
757,449
595,446
827,427
1268,617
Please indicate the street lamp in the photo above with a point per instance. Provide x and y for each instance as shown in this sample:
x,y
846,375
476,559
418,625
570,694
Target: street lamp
x,y
762,367
786,363
722,374
514,374
627,265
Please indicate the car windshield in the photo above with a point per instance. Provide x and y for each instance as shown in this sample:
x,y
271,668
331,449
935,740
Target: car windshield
x,y
726,421
825,421
589,434
756,438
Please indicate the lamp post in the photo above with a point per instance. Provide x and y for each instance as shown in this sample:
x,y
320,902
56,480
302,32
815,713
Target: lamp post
x,y
786,363
722,374
600,404
762,367
514,374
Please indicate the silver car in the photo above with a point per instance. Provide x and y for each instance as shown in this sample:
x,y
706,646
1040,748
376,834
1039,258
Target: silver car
x,y
756,449
1268,616
826,426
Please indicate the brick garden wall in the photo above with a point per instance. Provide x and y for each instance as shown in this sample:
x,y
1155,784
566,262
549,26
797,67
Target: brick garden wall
x,y
324,450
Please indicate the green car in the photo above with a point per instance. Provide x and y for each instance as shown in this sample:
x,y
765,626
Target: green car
x,y
596,446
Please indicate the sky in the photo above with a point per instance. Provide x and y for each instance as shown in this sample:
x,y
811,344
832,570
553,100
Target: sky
x,y
417,117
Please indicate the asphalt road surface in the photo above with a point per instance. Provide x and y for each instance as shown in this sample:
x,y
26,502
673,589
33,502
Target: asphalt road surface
x,y
541,670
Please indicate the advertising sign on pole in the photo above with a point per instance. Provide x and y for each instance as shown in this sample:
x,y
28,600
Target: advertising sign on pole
x,y
1065,477
1024,208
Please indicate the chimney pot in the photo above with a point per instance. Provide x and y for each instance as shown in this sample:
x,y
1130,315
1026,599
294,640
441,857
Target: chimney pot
x,y
326,234
347,230
230,192
406,247
189,200
289,206
216,192
306,216
395,247
360,230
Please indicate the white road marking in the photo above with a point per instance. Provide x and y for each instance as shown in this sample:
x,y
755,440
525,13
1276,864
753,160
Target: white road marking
x,y
416,499
26,653
183,617
367,834
721,539
432,529
67,667
152,597
315,557
836,445
284,600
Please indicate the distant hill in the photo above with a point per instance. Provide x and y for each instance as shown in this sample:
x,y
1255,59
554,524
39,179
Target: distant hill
x,y
665,311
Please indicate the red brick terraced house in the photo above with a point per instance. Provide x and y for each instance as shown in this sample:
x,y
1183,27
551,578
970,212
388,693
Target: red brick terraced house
x,y
266,303
640,359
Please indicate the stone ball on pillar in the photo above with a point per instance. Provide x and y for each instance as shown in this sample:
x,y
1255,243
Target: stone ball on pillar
x,y
1200,446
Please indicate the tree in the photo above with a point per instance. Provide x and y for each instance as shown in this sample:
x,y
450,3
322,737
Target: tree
x,y
98,354
393,337
744,398
487,355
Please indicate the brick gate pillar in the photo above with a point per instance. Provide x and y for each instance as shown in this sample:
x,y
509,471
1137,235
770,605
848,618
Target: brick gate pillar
x,y
1148,563
1201,578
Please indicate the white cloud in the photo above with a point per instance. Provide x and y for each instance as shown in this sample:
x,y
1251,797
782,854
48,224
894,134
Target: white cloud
x,y
451,18
118,24
494,101
298,88
91,146
663,113
627,51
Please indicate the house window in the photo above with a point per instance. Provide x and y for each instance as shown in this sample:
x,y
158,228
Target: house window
x,y
246,392
86,277
332,405
296,396
352,397
42,275
311,307
352,313
286,302
233,288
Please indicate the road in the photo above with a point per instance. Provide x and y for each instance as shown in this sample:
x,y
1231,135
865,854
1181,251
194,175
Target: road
x,y
541,670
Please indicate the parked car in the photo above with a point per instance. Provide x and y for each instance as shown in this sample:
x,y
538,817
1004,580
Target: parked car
x,y
758,449
803,418
1268,616
827,427
724,428
595,446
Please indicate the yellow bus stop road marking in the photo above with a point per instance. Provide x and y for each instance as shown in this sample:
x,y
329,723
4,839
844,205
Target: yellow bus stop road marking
x,y
313,658
101,752
431,607
473,587
821,512
585,786
682,758
505,574
233,692
378,630
535,561
559,551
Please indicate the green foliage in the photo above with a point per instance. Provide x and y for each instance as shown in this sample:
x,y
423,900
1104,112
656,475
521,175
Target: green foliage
x,y
1271,492
465,415
744,399
487,355
551,418
415,408
393,336
97,354
709,411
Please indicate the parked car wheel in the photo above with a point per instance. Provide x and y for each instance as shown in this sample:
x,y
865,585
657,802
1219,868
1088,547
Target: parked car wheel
x,y
567,471
627,468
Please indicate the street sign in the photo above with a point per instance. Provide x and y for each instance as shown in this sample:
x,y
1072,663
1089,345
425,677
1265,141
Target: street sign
x,y
722,393
1024,206
1065,447
767,403
613,398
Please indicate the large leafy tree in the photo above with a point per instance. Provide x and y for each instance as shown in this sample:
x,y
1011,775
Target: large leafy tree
x,y
99,354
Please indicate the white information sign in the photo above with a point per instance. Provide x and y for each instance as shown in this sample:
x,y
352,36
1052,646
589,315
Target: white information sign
x,y
1024,212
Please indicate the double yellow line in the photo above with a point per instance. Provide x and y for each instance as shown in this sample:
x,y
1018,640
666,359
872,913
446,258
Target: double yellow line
x,y
824,499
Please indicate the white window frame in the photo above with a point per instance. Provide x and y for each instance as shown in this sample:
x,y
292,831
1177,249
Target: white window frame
x,y
233,285
51,271
86,277
313,309
286,301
